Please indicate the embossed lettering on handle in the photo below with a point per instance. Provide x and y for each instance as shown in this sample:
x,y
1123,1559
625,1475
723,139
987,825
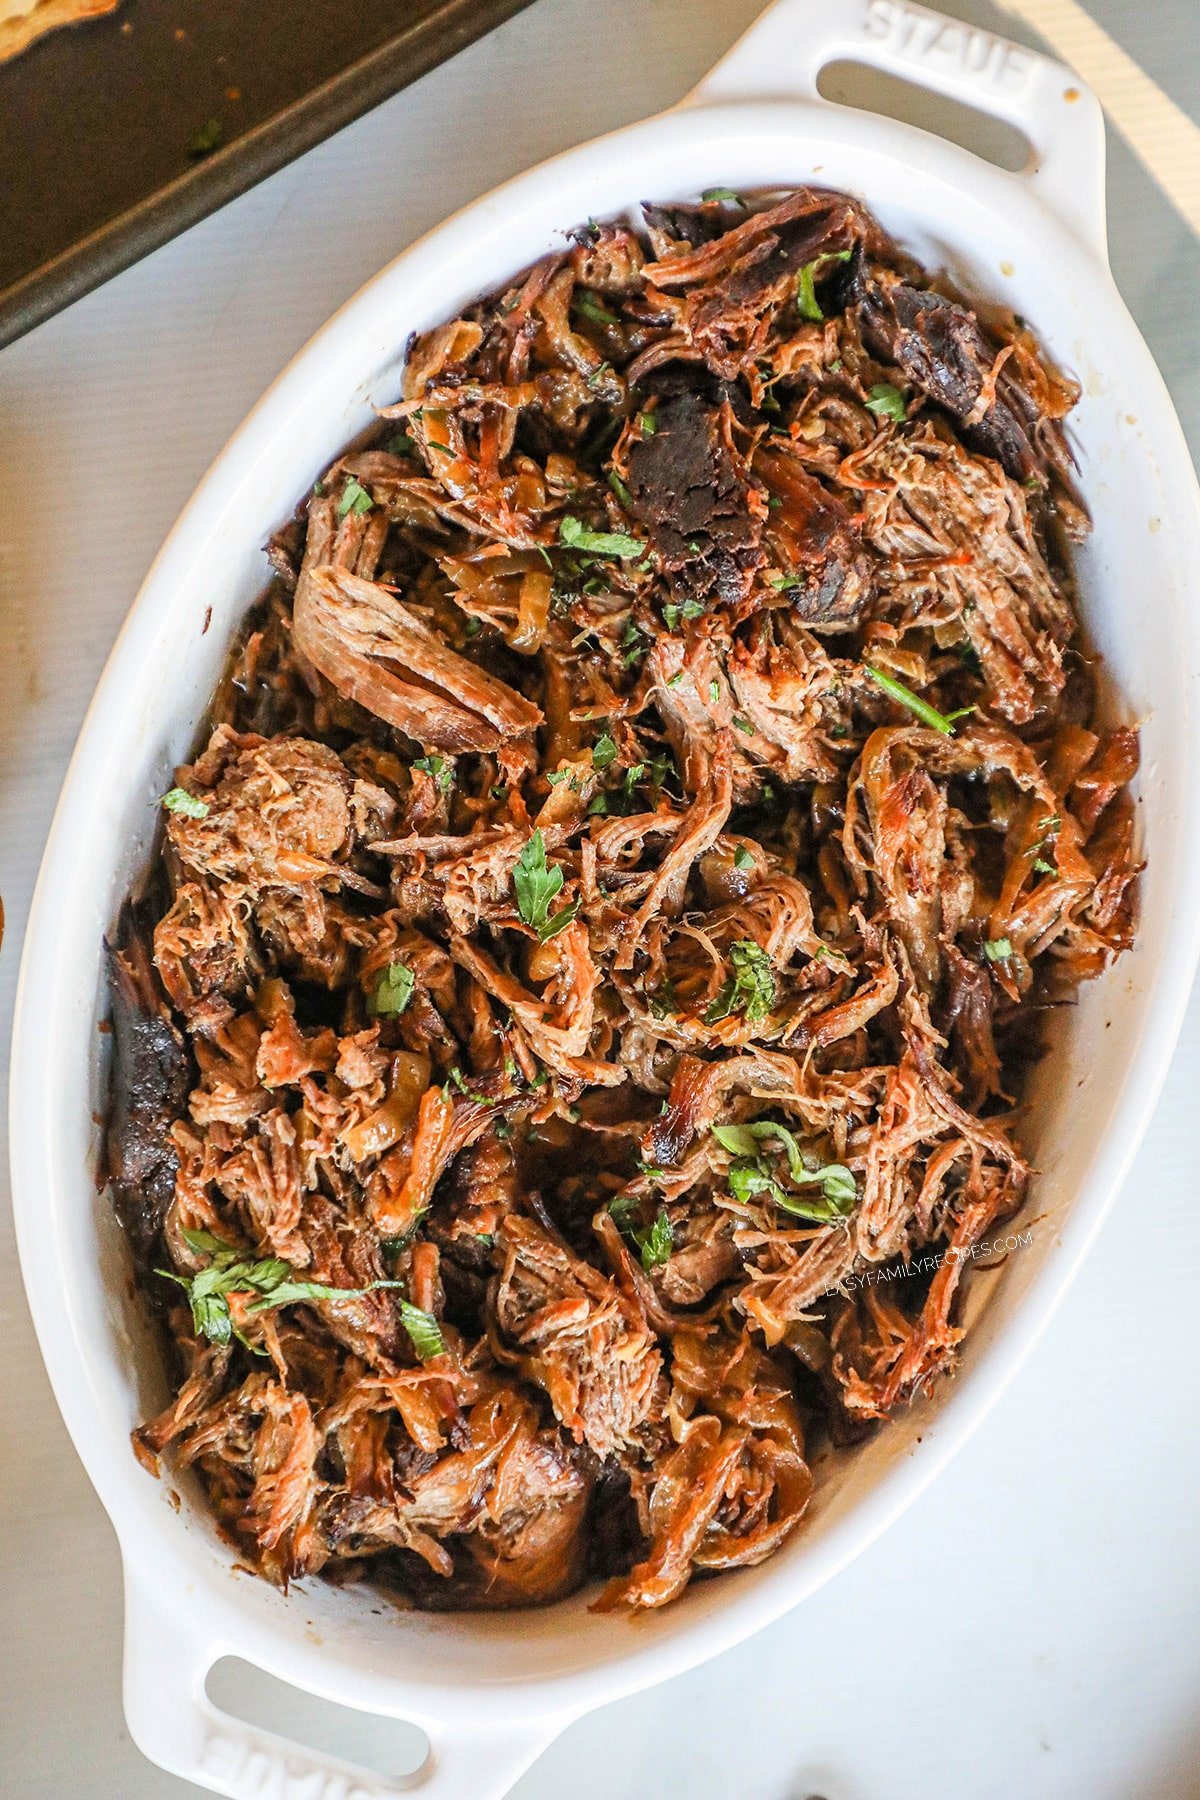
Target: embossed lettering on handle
x,y
929,41
243,1767
782,55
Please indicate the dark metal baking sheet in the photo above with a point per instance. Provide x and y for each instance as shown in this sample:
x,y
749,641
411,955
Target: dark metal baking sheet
x,y
104,125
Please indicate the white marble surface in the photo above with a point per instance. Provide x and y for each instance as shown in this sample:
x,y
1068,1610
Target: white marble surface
x,y
1032,1627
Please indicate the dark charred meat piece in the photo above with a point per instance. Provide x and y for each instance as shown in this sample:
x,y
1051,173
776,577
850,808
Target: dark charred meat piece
x,y
817,541
688,485
690,225
940,347
600,943
150,1081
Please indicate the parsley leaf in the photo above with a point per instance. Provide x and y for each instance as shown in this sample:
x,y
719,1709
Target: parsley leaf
x,y
621,1208
750,988
656,1243
727,194
423,1329
806,298
591,307
355,499
1048,828
180,801
604,751
440,768
597,543
998,949
752,1174
886,402
928,715
743,858
648,424
537,884
620,490
690,609
269,1279
393,991
558,923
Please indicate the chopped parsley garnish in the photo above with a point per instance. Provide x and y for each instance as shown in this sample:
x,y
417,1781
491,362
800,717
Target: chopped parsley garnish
x,y
269,1281
1047,829
401,444
743,725
456,1079
423,1329
597,543
355,499
690,609
439,769
604,751
743,858
806,297
752,1174
656,1243
998,949
648,424
886,402
537,885
393,991
621,1209
921,709
634,643
180,801
620,490
726,194
750,988
593,308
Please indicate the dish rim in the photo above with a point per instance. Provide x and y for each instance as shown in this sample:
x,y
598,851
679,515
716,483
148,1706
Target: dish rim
x,y
148,1550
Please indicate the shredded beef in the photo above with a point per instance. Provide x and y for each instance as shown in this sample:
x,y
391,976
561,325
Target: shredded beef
x,y
150,1081
686,485
568,1058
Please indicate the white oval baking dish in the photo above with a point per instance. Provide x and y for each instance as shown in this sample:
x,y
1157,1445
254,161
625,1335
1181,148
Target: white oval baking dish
x,y
491,1691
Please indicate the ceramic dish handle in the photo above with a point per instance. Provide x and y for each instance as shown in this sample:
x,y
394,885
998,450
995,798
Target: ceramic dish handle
x,y
784,51
174,1723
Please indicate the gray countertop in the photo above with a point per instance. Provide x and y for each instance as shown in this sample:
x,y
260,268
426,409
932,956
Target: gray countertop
x,y
1031,1626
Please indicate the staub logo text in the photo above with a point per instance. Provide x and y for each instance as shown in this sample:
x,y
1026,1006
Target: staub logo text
x,y
930,41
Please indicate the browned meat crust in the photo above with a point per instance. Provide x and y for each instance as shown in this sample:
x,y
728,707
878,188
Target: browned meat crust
x,y
567,1057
